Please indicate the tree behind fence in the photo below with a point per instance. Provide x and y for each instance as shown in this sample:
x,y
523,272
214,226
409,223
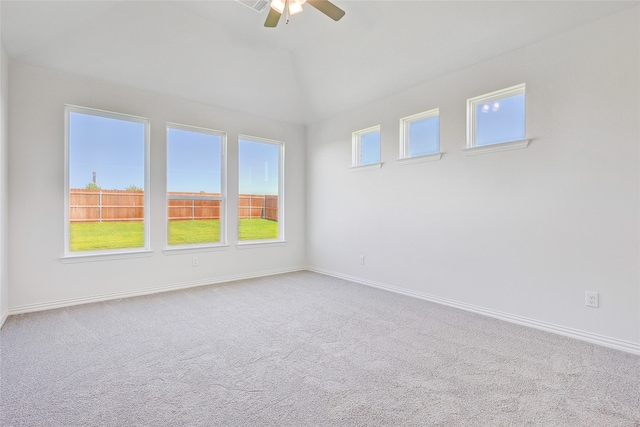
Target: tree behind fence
x,y
122,205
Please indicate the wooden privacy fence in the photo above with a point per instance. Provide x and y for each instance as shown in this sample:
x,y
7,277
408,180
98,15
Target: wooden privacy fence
x,y
258,206
123,205
192,206
105,205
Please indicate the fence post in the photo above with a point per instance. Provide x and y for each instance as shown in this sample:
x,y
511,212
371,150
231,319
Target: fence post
x,y
100,204
193,209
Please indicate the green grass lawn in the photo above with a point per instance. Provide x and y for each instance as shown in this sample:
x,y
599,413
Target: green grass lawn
x,y
190,232
257,229
122,235
95,236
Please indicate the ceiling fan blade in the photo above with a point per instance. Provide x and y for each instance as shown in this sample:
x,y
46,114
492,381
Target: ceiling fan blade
x,y
328,8
272,18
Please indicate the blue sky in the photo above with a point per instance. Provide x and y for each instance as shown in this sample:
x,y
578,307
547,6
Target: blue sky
x,y
500,121
258,167
114,149
193,161
370,148
424,136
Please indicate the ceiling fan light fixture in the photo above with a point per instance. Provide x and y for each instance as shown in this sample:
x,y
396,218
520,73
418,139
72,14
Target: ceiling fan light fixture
x,y
294,7
278,5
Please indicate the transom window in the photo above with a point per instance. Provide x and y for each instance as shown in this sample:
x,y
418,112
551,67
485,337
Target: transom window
x,y
366,147
420,134
497,117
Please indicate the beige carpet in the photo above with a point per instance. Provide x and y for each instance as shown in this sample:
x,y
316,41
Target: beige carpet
x,y
302,349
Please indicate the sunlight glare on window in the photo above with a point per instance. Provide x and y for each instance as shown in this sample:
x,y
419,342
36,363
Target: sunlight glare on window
x,y
500,121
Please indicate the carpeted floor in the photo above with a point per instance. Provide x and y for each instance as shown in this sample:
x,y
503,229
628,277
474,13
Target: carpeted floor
x,y
302,349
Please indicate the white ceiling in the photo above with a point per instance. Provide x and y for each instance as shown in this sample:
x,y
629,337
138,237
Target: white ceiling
x,y
219,53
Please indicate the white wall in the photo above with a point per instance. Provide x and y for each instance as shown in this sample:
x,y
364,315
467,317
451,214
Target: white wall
x,y
4,182
520,233
36,153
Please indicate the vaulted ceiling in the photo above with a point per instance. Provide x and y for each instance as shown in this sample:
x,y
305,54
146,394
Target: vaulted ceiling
x,y
219,52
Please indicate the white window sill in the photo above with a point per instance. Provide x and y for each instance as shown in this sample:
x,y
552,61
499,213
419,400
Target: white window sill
x,y
91,257
254,244
493,148
192,249
365,167
420,159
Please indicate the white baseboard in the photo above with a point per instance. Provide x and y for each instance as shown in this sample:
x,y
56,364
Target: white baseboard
x,y
615,343
28,308
3,317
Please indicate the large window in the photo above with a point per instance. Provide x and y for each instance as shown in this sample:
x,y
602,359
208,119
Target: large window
x,y
420,135
366,147
260,199
195,186
497,118
106,182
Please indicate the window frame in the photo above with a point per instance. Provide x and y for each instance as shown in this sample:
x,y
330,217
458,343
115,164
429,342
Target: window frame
x,y
356,148
472,148
405,122
105,254
280,240
196,247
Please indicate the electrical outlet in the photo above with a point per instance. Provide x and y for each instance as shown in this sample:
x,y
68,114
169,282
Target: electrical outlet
x,y
591,299
361,259
194,261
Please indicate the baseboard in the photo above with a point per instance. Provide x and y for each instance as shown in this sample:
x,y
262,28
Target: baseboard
x,y
615,343
28,308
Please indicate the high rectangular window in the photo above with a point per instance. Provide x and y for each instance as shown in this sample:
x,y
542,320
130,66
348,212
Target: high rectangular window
x,y
497,117
366,147
261,189
106,181
195,186
420,134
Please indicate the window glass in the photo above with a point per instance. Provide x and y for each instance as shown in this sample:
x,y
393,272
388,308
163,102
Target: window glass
x,y
370,148
260,190
424,137
194,186
106,181
365,145
500,120
420,134
497,117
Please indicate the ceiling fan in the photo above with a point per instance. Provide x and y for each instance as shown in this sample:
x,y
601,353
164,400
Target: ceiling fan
x,y
292,7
